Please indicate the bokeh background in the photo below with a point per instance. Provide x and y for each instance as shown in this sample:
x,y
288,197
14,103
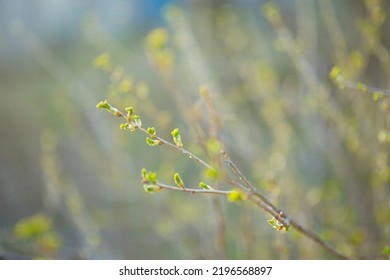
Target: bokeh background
x,y
70,185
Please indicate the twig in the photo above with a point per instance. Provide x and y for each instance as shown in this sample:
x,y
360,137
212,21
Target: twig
x,y
192,190
313,236
163,141
279,215
184,151
365,88
250,188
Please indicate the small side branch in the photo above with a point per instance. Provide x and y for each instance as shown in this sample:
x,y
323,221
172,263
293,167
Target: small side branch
x,y
313,236
192,190
181,149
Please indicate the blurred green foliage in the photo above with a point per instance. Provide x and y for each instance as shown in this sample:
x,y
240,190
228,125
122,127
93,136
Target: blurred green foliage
x,y
37,233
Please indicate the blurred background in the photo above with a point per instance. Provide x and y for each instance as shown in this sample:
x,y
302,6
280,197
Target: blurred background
x,y
70,185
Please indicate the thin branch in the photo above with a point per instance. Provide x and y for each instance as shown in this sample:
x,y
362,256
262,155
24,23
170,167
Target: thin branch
x,y
366,88
181,149
192,190
251,197
279,215
184,151
247,183
313,236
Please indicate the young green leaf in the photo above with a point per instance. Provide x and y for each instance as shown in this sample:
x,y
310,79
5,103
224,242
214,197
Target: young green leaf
x,y
235,196
177,137
277,225
151,188
124,126
130,113
204,186
152,177
148,177
152,132
178,181
211,174
127,126
137,120
144,175
153,142
105,105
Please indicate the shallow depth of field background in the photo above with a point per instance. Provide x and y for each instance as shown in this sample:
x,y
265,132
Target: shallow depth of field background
x,y
70,184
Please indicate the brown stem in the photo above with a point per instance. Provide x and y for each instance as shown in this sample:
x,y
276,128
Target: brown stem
x,y
279,215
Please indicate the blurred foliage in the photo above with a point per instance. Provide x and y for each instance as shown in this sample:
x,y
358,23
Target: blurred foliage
x,y
284,86
38,235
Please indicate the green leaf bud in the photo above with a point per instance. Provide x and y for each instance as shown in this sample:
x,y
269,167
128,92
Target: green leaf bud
x,y
211,174
177,138
130,110
152,177
151,188
204,186
152,132
124,126
103,105
235,196
127,126
278,225
148,177
137,120
144,175
178,181
153,142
